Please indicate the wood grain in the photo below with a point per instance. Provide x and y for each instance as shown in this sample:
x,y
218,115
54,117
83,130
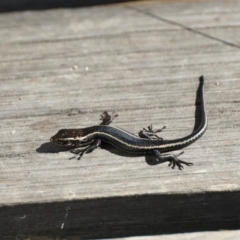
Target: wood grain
x,y
61,68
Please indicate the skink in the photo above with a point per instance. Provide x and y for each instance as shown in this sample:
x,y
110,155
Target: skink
x,y
146,143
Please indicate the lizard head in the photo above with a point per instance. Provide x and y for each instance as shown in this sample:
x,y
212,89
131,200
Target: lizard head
x,y
70,138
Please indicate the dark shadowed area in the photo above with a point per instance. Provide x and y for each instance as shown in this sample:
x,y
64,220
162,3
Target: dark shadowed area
x,y
22,5
122,216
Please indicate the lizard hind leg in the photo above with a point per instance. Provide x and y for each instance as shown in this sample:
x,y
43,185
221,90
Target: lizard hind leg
x,y
167,157
150,133
171,158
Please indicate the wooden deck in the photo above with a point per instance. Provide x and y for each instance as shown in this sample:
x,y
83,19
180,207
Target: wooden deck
x,y
61,68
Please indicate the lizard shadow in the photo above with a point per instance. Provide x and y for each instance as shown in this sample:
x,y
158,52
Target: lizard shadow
x,y
48,147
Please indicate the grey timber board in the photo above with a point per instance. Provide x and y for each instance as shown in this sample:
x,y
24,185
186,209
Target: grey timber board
x,y
61,68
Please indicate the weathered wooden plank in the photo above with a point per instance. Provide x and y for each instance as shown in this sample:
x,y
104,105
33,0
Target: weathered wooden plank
x,y
62,68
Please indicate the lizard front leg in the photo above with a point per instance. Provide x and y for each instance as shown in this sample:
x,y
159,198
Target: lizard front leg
x,y
106,120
